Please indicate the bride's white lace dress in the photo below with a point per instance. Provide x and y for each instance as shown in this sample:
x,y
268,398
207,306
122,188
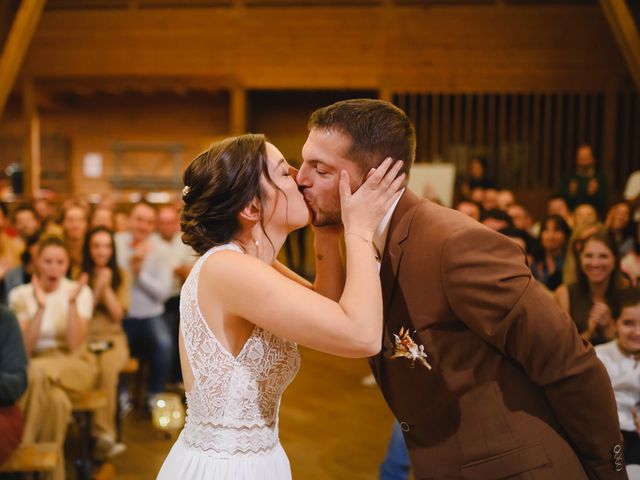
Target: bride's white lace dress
x,y
231,430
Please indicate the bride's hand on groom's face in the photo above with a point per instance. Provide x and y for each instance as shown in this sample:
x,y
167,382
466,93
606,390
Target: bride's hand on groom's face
x,y
363,209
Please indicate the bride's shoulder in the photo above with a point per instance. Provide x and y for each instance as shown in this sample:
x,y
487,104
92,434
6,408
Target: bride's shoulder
x,y
222,262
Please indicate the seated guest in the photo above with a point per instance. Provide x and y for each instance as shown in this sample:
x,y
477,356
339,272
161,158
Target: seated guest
x,y
54,314
46,211
10,247
146,258
556,205
13,382
22,273
75,221
477,178
622,226
520,217
521,238
549,260
584,214
111,289
102,216
490,200
630,263
577,236
621,359
585,184
591,299
470,208
505,199
25,221
496,219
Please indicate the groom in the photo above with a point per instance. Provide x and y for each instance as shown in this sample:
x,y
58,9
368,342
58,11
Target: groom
x,y
512,391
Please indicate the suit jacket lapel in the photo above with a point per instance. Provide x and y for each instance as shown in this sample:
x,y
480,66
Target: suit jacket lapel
x,y
392,255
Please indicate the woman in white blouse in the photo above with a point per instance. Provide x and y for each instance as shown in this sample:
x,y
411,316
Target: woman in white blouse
x,y
621,358
53,312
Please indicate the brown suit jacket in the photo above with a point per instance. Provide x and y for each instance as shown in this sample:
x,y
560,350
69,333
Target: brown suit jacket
x,y
514,392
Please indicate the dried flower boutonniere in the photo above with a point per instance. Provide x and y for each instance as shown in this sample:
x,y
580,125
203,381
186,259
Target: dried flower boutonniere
x,y
405,347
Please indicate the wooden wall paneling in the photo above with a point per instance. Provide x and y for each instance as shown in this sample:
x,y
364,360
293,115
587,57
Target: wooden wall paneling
x,y
547,157
490,146
423,135
413,110
457,119
593,120
32,151
480,120
535,142
569,131
435,125
445,130
467,135
609,150
503,139
238,111
558,152
582,117
515,167
525,150
626,139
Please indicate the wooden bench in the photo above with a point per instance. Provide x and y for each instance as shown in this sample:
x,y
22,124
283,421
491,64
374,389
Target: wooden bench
x,y
33,458
83,407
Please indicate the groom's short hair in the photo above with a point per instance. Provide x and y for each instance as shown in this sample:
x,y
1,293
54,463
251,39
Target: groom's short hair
x,y
377,129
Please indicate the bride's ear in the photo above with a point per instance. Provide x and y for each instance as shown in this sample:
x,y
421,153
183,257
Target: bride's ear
x,y
251,212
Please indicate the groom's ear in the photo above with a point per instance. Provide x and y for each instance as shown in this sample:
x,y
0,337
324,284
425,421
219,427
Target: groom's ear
x,y
251,212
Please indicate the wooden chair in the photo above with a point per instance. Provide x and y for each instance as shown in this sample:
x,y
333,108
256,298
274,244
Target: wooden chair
x,y
83,407
35,458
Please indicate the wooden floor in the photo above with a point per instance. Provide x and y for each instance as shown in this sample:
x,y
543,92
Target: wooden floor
x,y
330,426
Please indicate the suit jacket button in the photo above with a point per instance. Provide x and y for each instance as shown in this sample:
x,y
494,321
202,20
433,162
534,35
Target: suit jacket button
x,y
619,467
617,449
404,426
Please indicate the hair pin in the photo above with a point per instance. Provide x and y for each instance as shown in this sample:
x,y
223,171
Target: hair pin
x,y
186,190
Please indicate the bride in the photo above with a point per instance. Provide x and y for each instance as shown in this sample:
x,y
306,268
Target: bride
x,y
243,313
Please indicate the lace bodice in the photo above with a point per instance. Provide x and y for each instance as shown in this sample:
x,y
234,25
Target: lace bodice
x,y
232,408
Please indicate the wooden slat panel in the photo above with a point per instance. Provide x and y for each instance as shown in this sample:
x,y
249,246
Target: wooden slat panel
x,y
445,129
457,119
558,135
435,123
569,132
536,141
547,157
525,129
503,137
582,118
479,120
492,121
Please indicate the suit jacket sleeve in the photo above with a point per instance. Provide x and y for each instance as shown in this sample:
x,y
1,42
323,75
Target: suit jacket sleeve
x,y
489,287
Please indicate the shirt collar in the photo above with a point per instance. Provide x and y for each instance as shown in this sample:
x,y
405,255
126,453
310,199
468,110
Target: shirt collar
x,y
380,234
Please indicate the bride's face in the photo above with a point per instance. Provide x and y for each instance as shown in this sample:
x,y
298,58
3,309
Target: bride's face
x,y
284,207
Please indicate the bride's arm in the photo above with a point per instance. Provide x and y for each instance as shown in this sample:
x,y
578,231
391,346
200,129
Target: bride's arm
x,y
330,269
246,287
330,274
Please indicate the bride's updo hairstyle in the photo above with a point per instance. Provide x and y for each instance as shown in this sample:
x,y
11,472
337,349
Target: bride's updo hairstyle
x,y
219,183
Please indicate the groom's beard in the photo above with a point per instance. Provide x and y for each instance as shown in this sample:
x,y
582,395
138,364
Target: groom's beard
x,y
325,219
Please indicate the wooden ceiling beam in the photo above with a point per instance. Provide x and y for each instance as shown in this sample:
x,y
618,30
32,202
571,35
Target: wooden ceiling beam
x,y
626,34
17,44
